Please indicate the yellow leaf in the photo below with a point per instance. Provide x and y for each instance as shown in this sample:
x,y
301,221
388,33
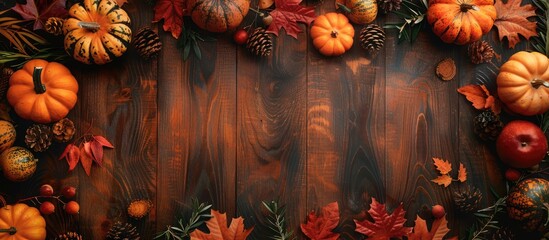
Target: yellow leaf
x,y
462,175
443,180
443,166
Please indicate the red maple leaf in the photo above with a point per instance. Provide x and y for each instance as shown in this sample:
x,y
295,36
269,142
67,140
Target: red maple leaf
x,y
287,14
385,226
172,13
319,227
40,14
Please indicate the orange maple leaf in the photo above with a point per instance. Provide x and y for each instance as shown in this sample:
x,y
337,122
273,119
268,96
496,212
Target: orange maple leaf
x,y
480,97
438,230
443,166
462,175
219,230
512,20
443,180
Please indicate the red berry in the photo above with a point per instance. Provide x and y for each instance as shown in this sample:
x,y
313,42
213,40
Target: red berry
x,y
46,190
240,36
47,208
438,211
69,192
512,174
72,208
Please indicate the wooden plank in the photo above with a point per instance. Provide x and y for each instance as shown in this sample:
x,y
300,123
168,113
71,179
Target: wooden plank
x,y
271,131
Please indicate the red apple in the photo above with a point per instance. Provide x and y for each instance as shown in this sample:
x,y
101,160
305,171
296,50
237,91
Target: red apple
x,y
521,144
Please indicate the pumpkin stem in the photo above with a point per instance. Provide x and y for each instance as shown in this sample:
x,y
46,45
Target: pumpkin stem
x,y
344,8
91,26
11,230
464,7
536,83
334,34
39,88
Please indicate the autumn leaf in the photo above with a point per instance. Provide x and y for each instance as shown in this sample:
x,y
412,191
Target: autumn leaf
x,y
480,97
172,13
319,227
287,14
445,180
512,20
72,155
121,2
443,166
264,4
86,159
439,229
462,175
219,230
40,14
385,226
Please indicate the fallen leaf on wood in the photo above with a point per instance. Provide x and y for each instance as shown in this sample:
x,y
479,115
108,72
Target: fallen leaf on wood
x,y
172,13
217,225
264,4
287,15
320,227
462,175
121,2
86,159
72,155
480,97
385,226
439,229
443,166
40,14
512,20
445,180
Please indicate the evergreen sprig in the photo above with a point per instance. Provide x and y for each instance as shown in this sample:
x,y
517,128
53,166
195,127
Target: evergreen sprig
x,y
17,35
16,59
413,16
277,221
188,40
540,42
200,214
487,220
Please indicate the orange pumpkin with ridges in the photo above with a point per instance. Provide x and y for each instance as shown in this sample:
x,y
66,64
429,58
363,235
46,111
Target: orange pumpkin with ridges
x,y
218,15
21,222
332,34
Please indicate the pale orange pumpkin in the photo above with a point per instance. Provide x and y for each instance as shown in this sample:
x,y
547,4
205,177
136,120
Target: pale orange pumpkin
x,y
42,91
21,222
218,15
332,34
461,21
523,83
97,31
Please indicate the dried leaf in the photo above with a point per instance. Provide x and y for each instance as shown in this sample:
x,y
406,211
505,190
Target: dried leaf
x,y
40,14
385,226
480,97
443,166
462,175
121,2
103,141
512,20
445,180
85,160
287,15
97,152
320,227
72,155
264,4
219,231
438,230
172,13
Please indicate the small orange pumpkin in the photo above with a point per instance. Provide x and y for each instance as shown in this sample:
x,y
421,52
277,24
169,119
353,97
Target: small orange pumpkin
x,y
523,83
358,11
461,21
218,15
21,222
18,164
332,34
42,91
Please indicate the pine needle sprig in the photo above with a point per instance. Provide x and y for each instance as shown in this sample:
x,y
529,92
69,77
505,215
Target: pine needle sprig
x,y
487,220
188,41
277,221
200,214
413,16
16,60
540,42
19,36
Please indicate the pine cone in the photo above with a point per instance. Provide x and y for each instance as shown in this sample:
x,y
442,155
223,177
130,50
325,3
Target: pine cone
x,y
503,233
389,5
122,231
139,208
147,43
64,130
38,137
69,236
487,125
54,26
480,52
5,81
260,43
468,199
372,38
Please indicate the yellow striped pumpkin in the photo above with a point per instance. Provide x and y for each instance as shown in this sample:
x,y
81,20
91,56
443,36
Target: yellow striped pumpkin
x,y
97,31
7,135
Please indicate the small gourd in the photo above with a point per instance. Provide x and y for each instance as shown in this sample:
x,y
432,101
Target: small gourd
x,y
21,222
7,135
332,34
18,164
528,203
218,15
358,11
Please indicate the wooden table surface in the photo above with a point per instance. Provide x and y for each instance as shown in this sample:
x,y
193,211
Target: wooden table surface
x,y
233,130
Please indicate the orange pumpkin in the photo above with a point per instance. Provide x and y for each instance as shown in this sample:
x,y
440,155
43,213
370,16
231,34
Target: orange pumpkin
x,y
21,222
42,91
332,34
18,164
7,135
461,21
523,83
97,31
358,11
218,15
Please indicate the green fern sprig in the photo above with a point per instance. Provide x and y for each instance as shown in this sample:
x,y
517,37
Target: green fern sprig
x,y
18,36
487,220
277,222
540,42
413,16
200,214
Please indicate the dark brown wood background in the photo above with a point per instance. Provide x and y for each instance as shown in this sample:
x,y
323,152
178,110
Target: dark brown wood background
x,y
233,130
